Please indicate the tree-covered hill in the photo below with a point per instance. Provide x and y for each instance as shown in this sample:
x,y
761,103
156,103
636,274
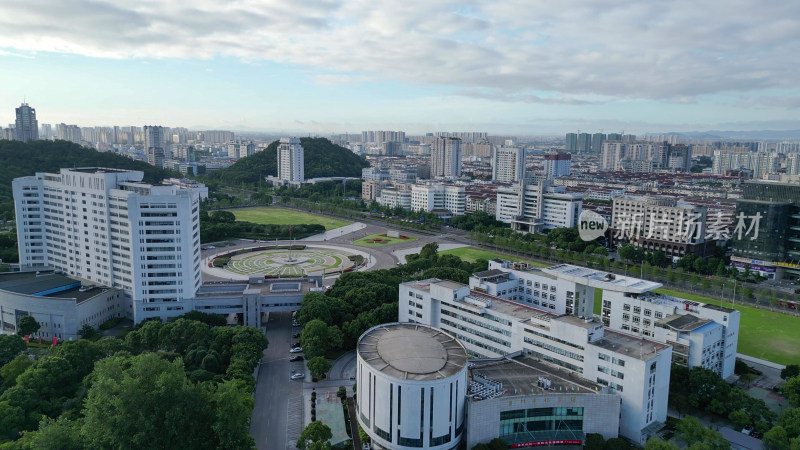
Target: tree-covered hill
x,y
18,159
322,158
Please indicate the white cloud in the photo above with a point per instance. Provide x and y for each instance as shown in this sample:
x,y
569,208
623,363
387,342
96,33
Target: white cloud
x,y
513,50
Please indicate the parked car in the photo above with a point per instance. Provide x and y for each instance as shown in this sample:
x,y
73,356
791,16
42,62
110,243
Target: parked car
x,y
296,335
295,324
295,345
296,358
298,376
296,350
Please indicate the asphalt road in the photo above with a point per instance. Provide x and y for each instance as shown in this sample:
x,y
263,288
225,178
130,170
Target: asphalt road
x,y
274,389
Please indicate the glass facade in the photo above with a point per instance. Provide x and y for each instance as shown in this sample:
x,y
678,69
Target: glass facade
x,y
535,424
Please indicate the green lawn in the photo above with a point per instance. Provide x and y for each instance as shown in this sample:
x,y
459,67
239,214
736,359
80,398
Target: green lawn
x,y
472,254
385,240
281,216
762,333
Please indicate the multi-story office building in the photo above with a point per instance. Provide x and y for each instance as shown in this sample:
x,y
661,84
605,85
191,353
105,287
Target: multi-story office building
x,y
557,165
766,236
26,127
634,369
508,164
701,334
291,160
433,197
535,204
108,227
660,223
395,198
371,190
446,157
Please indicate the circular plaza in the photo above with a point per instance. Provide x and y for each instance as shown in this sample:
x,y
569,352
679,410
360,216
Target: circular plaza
x,y
283,262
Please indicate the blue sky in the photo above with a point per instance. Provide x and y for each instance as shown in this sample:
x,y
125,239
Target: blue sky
x,y
322,66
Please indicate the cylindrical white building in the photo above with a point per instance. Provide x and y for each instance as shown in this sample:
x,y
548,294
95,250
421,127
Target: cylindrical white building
x,y
411,387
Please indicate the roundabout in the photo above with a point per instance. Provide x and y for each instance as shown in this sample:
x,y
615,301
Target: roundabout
x,y
284,262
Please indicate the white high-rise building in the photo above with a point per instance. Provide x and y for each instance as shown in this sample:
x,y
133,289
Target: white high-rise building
x,y
26,127
446,157
557,165
508,164
108,227
70,133
612,154
290,160
155,145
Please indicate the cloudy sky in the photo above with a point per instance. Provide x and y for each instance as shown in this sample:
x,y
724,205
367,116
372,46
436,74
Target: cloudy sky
x,y
520,67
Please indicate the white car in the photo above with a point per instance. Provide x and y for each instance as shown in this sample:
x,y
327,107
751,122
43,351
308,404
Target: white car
x,y
298,376
296,350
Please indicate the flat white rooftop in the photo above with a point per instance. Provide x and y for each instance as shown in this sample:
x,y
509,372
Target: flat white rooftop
x,y
601,279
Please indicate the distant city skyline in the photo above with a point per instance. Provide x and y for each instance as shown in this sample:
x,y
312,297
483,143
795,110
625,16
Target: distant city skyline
x,y
510,68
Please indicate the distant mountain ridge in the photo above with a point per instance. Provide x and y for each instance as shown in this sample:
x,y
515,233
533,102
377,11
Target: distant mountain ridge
x,y
322,158
790,135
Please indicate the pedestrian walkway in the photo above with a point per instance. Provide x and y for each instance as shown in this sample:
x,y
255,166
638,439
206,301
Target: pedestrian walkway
x,y
763,362
336,233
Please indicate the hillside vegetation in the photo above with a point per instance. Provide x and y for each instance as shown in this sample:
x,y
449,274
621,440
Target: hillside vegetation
x,y
18,159
322,158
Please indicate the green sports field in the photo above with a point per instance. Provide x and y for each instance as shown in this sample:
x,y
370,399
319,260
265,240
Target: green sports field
x,y
762,333
473,254
370,241
281,216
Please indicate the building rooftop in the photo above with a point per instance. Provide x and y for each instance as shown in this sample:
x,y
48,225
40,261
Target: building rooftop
x,y
412,351
601,279
489,273
450,284
48,285
522,375
629,345
718,308
99,170
685,322
507,307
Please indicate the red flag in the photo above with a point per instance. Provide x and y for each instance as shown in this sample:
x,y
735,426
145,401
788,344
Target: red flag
x,y
27,339
55,341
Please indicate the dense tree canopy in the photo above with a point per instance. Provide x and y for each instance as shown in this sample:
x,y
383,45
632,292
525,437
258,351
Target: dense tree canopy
x,y
321,158
180,384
